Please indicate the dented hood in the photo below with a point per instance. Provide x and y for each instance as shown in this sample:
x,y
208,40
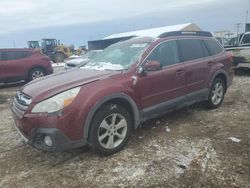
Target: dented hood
x,y
48,86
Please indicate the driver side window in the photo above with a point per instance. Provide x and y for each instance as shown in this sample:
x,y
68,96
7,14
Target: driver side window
x,y
166,54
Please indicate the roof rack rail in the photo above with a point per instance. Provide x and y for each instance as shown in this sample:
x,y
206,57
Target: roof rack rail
x,y
186,33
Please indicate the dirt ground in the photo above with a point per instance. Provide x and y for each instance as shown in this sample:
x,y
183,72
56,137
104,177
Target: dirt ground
x,y
185,148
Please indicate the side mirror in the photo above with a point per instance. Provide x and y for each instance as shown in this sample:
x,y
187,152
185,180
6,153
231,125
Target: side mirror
x,y
152,65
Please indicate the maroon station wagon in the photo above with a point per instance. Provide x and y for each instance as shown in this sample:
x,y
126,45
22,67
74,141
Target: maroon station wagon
x,y
18,64
128,83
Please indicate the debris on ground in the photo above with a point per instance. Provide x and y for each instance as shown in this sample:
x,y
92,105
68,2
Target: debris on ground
x,y
167,129
234,139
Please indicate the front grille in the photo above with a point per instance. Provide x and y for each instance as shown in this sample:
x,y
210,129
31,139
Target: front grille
x,y
20,104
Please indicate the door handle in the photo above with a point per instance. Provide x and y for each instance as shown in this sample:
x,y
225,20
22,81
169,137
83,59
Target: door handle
x,y
180,72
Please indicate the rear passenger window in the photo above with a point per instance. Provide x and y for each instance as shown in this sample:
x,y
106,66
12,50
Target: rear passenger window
x,y
213,47
191,49
14,55
166,53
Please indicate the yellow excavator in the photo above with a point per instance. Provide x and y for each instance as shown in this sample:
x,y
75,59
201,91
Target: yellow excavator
x,y
52,48
56,51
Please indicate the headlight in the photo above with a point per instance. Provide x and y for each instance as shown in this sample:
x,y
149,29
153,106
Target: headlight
x,y
56,102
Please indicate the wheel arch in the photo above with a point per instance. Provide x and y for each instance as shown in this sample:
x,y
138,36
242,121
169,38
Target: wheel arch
x,y
35,67
220,74
120,99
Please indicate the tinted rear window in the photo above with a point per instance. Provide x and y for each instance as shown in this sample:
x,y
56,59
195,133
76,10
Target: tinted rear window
x,y
191,49
13,55
213,47
246,39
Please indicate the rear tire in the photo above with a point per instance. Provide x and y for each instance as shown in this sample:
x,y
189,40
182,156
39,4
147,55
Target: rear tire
x,y
216,95
110,129
36,73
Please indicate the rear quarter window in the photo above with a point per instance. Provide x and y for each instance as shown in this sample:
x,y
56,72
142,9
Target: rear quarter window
x,y
14,55
213,46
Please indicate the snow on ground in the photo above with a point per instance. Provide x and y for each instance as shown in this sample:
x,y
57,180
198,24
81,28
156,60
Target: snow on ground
x,y
197,152
58,65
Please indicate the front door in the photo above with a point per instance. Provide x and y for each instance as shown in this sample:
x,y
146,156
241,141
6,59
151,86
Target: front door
x,y
165,86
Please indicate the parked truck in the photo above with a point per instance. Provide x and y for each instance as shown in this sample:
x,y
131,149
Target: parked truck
x,y
240,48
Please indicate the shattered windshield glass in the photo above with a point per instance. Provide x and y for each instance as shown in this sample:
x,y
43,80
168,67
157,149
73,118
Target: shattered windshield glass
x,y
117,57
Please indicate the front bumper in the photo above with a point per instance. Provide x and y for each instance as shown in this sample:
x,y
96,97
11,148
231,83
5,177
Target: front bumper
x,y
59,140
35,135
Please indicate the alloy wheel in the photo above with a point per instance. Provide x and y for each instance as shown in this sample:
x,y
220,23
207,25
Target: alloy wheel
x,y
217,93
112,131
37,74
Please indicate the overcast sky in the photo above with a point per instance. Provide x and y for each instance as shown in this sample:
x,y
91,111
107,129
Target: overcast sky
x,y
77,21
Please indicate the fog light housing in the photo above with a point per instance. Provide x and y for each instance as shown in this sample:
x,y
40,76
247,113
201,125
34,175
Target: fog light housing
x,y
48,141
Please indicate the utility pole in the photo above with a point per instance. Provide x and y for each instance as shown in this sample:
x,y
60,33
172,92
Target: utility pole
x,y
237,25
246,16
246,21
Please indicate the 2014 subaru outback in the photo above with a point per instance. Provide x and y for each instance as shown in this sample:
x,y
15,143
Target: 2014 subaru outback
x,y
126,84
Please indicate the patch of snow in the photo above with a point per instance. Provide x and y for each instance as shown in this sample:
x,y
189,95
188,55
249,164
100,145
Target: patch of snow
x,y
167,129
203,155
130,172
234,139
58,64
74,56
77,60
103,66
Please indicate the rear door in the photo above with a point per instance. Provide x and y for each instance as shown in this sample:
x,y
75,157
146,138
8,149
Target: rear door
x,y
195,57
157,88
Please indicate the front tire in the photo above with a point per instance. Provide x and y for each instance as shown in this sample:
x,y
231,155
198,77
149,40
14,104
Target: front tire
x,y
217,92
110,129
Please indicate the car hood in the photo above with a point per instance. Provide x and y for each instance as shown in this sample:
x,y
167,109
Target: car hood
x,y
48,86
